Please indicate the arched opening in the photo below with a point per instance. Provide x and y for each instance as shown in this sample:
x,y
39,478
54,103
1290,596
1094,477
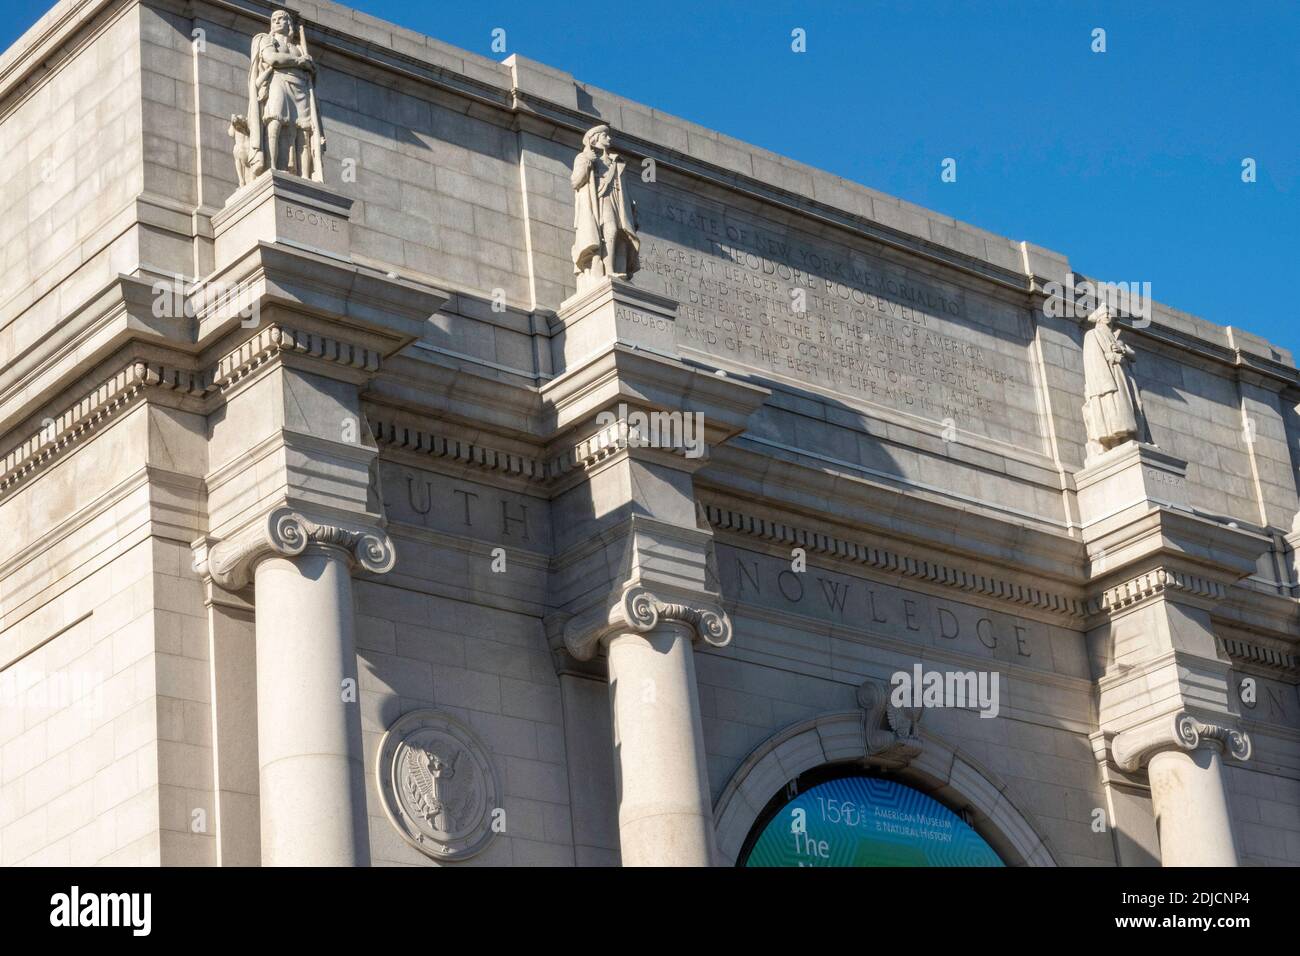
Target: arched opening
x,y
823,748
847,815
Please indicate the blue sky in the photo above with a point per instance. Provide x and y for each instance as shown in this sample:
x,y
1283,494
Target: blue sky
x,y
1127,161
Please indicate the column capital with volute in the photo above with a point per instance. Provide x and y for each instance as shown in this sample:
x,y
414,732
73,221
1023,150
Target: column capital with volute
x,y
1134,748
288,532
636,608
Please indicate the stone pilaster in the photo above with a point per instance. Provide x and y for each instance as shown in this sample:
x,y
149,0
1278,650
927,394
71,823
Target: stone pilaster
x,y
312,790
632,425
1159,569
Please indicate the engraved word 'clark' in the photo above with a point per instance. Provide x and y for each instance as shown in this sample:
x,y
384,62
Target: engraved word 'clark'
x,y
1112,410
284,131
604,218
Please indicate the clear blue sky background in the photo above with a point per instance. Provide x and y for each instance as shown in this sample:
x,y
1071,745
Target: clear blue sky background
x,y
1129,162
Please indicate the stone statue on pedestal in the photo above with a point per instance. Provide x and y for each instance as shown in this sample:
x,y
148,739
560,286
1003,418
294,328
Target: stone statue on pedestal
x,y
1112,410
284,128
604,218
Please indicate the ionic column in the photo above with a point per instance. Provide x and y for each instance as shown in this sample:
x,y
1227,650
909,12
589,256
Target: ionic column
x,y
313,804
665,814
1183,757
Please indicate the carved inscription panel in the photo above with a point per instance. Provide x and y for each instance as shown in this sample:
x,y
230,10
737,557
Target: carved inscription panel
x,y
458,506
762,581
818,314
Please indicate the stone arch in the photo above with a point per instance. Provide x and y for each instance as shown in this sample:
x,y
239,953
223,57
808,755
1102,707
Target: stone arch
x,y
938,770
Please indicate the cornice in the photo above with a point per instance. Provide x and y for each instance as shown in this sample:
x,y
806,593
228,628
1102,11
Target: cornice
x,y
278,341
1234,362
619,372
1070,609
1201,558
90,414
890,508
1248,611
426,442
582,455
1258,656
92,332
105,403
608,442
433,386
387,310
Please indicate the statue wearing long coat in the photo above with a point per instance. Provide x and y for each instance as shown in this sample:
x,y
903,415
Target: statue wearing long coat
x,y
1109,412
603,221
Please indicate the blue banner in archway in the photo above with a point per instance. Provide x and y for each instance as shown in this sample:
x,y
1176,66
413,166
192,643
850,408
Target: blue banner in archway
x,y
868,821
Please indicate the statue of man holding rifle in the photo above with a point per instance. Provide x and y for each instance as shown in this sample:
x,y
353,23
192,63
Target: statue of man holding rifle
x,y
284,128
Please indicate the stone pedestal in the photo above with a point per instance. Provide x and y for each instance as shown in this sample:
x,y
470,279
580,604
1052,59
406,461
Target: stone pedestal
x,y
1183,757
665,813
282,208
612,312
312,788
1132,476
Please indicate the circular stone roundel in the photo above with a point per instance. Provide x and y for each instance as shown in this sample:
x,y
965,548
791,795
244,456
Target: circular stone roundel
x,y
437,785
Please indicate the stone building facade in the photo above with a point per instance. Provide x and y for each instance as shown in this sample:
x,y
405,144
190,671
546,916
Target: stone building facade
x,y
330,532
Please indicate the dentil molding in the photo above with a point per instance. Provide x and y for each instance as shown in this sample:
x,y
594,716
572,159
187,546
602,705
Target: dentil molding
x,y
89,414
1154,583
288,533
639,609
862,552
1133,749
127,386
608,441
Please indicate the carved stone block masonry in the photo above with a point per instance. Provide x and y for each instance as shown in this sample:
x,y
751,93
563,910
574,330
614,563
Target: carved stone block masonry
x,y
280,207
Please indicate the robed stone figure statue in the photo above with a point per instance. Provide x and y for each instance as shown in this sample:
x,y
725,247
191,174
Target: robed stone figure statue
x,y
604,218
284,128
1112,410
